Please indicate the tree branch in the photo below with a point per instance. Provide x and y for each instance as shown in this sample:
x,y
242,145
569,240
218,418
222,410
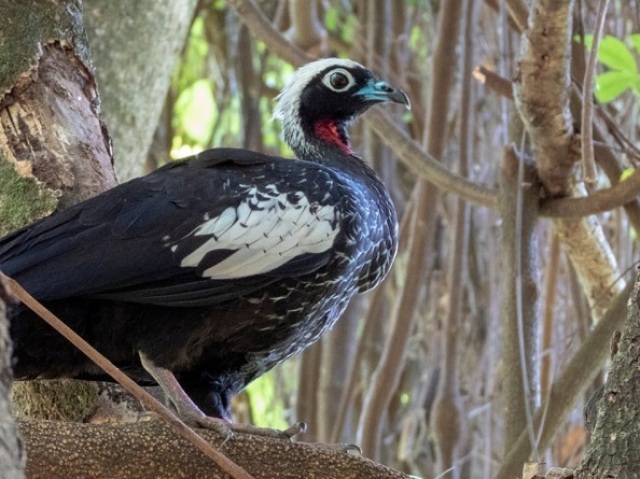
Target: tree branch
x,y
150,450
541,92
261,28
520,306
607,199
588,161
389,369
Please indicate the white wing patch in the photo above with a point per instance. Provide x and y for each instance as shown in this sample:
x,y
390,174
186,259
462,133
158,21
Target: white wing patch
x,y
266,230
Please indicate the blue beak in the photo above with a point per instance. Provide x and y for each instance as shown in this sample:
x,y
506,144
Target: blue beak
x,y
381,91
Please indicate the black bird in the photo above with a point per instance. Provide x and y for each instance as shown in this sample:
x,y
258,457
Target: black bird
x,y
208,272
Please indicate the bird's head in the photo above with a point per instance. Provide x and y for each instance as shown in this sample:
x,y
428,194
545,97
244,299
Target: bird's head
x,y
322,98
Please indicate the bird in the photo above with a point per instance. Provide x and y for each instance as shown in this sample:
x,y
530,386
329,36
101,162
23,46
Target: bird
x,y
206,273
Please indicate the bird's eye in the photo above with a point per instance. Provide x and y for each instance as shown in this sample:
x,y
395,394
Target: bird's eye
x,y
338,80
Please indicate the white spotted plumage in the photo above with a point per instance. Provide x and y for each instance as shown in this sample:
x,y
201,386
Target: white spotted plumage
x,y
266,230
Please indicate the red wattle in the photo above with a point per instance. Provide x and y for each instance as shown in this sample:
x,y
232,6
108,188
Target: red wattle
x,y
328,131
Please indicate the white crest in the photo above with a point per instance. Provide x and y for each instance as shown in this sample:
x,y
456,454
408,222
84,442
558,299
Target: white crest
x,y
288,101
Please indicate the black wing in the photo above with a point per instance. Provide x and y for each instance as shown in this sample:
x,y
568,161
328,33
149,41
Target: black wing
x,y
196,232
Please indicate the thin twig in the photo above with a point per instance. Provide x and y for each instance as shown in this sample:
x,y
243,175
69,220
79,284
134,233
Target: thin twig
x,y
494,82
550,286
590,170
147,400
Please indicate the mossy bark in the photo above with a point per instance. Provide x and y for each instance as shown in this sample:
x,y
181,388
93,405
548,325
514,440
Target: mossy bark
x,y
54,150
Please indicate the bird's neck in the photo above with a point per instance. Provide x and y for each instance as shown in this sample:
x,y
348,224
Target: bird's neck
x,y
333,134
321,140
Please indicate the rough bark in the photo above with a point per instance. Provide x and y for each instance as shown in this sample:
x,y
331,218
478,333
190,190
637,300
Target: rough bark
x,y
49,106
135,46
149,450
56,152
615,441
542,94
11,456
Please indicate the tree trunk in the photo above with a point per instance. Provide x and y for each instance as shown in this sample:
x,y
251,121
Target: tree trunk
x,y
135,46
11,458
613,452
55,150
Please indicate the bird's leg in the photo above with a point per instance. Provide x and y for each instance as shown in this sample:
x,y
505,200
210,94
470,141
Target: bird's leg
x,y
291,431
191,414
187,410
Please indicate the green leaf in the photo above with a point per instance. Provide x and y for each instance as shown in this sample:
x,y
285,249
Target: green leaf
x,y
609,85
331,19
615,54
627,173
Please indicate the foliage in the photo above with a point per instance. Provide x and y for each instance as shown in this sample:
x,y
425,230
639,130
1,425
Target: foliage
x,y
623,71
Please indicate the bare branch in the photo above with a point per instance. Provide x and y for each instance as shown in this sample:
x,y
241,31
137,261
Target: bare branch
x,y
517,11
387,374
494,82
608,199
588,161
520,307
306,30
261,28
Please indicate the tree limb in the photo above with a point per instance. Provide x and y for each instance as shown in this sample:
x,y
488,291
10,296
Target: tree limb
x,y
542,94
588,161
150,450
520,305
607,199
